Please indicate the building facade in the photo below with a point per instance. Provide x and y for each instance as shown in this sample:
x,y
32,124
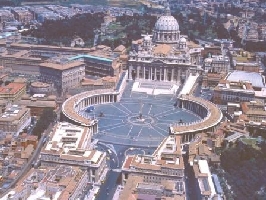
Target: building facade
x,y
230,91
63,75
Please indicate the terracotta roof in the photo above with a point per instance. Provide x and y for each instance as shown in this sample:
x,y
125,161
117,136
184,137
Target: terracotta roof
x,y
244,107
162,49
128,162
12,88
120,48
62,66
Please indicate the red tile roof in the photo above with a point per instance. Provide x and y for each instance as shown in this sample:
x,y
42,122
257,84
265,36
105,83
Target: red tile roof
x,y
11,88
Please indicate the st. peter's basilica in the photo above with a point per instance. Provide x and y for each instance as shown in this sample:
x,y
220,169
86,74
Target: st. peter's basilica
x,y
165,55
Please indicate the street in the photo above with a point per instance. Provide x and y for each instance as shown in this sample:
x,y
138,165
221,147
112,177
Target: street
x,y
109,186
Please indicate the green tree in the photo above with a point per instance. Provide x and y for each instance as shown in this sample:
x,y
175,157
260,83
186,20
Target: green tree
x,y
48,116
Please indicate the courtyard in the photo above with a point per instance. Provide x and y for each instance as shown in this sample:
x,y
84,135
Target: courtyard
x,y
140,119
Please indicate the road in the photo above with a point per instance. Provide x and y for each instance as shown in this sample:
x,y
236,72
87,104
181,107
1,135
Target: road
x,y
108,188
190,180
116,156
28,166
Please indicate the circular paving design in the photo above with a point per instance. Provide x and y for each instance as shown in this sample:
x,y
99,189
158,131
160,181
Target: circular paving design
x,y
138,119
141,120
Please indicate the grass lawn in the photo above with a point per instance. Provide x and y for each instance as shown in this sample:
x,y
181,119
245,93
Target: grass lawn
x,y
250,141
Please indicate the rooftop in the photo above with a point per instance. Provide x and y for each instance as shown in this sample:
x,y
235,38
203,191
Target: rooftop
x,y
70,142
67,135
62,66
136,188
254,78
12,88
167,155
14,113
57,177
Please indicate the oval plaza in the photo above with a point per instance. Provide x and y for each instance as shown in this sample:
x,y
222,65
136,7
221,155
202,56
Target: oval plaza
x,y
144,106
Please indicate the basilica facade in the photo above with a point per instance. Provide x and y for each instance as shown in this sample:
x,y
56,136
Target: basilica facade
x,y
165,55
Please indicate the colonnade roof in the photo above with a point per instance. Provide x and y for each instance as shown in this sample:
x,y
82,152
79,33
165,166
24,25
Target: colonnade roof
x,y
68,107
214,117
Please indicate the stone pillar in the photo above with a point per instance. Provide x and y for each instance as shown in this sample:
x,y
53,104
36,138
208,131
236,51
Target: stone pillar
x,y
151,74
172,75
130,72
143,74
164,74
178,74
155,74
138,72
160,73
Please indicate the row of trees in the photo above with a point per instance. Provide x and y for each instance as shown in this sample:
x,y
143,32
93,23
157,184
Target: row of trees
x,y
194,25
134,26
10,2
48,116
82,25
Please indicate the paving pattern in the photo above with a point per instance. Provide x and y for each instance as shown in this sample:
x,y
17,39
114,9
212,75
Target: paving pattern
x,y
138,119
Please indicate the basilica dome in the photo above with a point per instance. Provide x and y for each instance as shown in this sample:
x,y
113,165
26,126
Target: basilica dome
x,y
166,29
166,23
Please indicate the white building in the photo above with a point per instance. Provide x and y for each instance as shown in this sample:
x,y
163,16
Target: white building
x,y
217,64
69,145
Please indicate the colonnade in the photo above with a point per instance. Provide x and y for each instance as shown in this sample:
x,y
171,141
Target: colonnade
x,y
97,99
187,137
158,73
166,37
196,108
74,104
209,113
94,128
